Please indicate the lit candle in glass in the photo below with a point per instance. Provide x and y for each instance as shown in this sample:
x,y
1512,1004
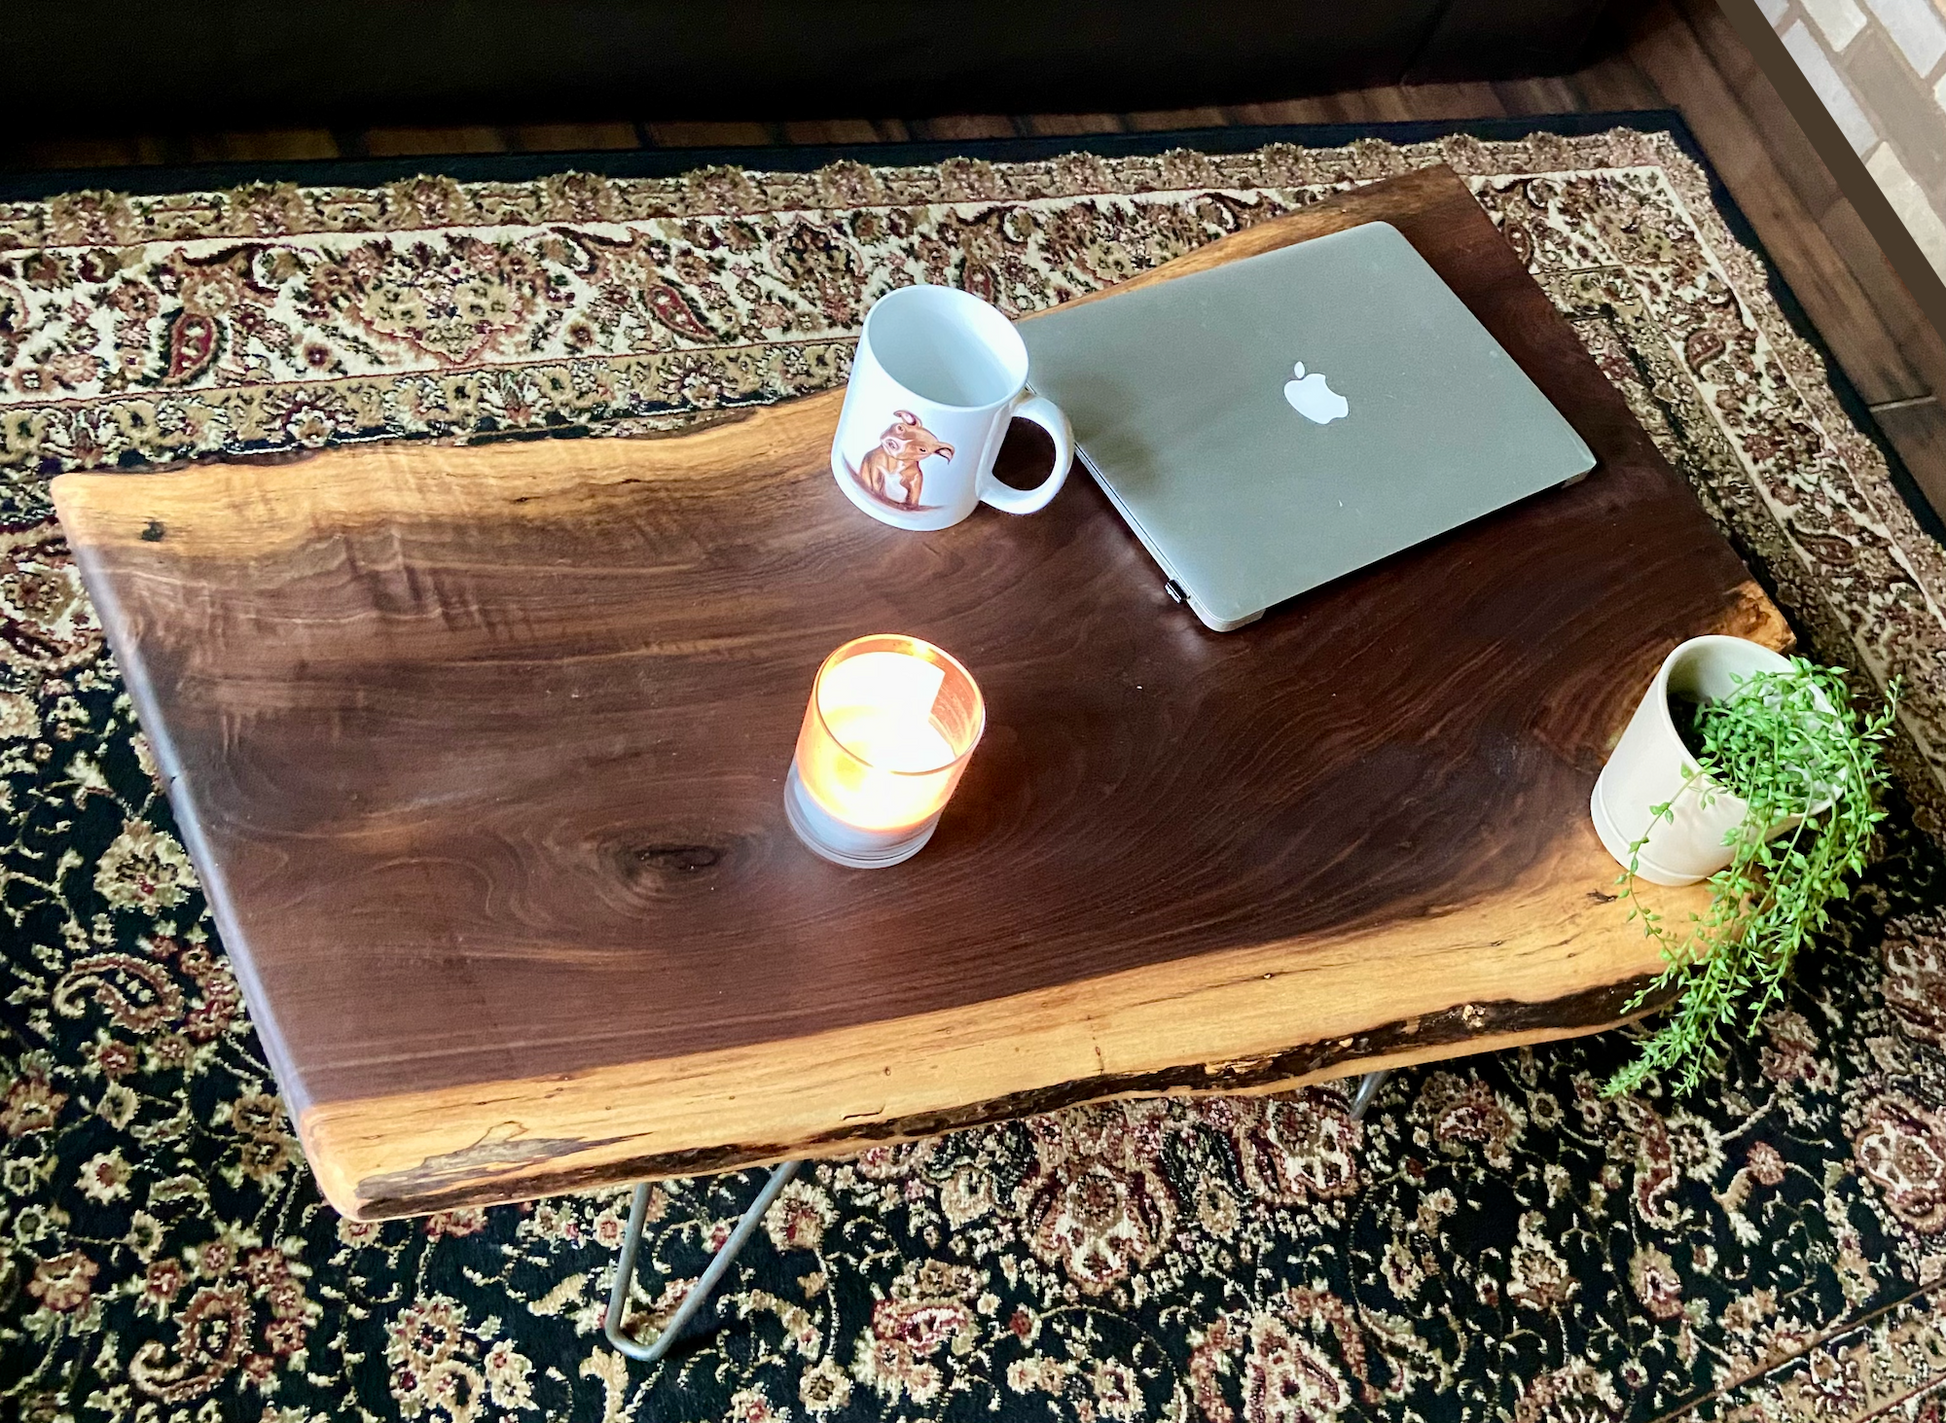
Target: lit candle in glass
x,y
891,724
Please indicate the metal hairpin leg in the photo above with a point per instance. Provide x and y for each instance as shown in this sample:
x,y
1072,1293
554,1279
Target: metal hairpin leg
x,y
699,1293
1367,1092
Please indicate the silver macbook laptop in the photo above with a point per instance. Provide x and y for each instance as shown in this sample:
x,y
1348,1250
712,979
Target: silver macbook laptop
x,y
1276,422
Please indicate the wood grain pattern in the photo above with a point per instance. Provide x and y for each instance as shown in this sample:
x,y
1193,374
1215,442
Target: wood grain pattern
x,y
480,753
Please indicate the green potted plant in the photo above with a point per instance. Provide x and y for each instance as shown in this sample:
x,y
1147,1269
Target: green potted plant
x,y
1757,772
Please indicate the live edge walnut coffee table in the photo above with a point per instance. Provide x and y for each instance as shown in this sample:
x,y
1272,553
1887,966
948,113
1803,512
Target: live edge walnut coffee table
x,y
480,755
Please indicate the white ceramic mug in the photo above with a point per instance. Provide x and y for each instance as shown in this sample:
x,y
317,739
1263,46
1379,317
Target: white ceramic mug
x,y
938,376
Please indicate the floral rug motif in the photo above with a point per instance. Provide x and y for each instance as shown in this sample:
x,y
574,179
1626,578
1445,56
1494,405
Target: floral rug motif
x,y
1495,1241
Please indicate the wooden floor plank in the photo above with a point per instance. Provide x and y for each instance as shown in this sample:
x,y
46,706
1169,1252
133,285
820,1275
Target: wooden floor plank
x,y
575,138
713,135
1162,120
953,126
1062,125
1449,101
1386,104
1525,97
87,151
412,142
1282,111
1918,433
1900,321
273,146
836,131
1790,148
1613,83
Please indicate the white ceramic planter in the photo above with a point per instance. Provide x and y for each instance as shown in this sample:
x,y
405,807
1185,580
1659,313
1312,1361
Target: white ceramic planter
x,y
1646,769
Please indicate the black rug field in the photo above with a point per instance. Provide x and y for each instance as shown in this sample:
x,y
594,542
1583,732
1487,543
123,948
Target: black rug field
x,y
1495,1241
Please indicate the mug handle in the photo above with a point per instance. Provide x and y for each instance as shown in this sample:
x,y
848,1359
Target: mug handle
x,y
1051,418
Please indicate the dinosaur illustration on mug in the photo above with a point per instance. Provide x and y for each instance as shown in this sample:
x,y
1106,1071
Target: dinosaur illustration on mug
x,y
895,459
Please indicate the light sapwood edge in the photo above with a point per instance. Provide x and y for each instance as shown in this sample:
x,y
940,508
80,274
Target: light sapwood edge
x,y
605,1173
209,509
773,1100
250,513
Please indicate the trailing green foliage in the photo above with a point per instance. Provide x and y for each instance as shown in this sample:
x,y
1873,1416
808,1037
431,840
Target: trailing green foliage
x,y
1786,743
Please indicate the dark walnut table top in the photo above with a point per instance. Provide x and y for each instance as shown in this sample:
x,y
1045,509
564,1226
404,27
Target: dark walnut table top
x,y
480,755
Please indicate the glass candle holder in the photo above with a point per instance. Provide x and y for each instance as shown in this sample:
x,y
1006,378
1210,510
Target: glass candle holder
x,y
891,725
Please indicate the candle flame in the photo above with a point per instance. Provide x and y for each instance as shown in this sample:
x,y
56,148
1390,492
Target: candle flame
x,y
883,761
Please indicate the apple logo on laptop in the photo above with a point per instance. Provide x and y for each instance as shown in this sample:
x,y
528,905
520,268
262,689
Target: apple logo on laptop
x,y
1312,397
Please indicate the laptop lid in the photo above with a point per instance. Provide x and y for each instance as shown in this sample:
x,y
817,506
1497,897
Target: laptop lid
x,y
1276,422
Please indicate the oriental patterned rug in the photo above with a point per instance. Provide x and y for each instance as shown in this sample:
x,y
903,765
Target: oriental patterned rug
x,y
1496,1242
